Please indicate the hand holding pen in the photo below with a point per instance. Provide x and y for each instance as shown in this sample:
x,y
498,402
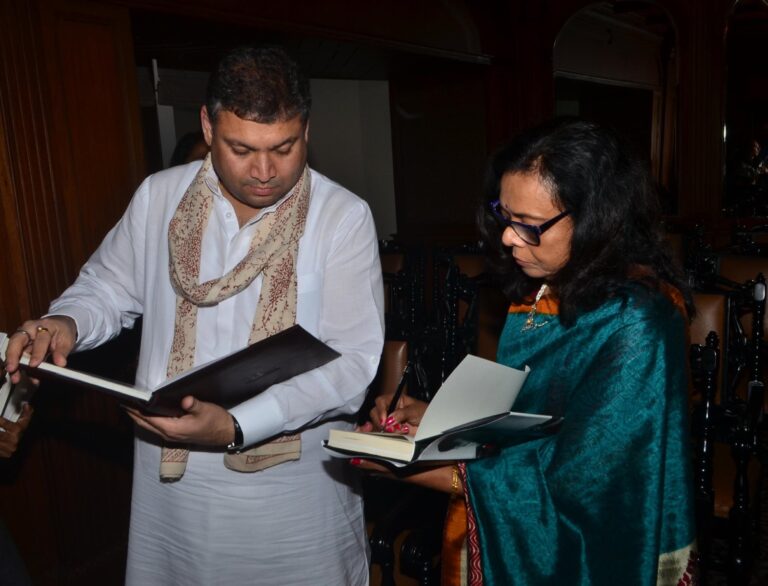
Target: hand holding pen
x,y
396,413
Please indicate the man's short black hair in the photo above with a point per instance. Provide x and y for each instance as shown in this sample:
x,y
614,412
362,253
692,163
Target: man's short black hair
x,y
260,84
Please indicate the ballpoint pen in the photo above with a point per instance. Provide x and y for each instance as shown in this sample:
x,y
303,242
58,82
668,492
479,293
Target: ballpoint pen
x,y
399,389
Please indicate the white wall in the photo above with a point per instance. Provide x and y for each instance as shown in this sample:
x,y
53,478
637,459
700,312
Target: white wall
x,y
350,141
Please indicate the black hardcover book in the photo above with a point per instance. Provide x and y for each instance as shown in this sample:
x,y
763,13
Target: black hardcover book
x,y
226,381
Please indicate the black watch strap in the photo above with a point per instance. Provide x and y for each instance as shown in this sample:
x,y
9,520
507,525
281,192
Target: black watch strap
x,y
237,443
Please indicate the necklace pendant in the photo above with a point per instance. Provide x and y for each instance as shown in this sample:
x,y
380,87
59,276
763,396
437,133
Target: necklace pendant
x,y
530,321
533,326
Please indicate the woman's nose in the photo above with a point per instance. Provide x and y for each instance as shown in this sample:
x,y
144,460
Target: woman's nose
x,y
510,238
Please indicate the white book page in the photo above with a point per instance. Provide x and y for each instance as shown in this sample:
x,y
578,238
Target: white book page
x,y
91,379
83,377
477,388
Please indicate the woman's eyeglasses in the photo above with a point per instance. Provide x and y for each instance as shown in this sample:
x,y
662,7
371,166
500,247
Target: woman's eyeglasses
x,y
529,233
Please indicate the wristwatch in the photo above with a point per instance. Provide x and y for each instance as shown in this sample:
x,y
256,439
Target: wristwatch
x,y
237,444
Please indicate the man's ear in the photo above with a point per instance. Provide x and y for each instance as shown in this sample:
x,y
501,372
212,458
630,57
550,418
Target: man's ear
x,y
207,125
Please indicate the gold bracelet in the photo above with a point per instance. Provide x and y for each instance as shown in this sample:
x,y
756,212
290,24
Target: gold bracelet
x,y
455,482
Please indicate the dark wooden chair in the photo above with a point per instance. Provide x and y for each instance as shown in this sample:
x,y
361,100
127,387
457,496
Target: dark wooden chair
x,y
725,427
466,315
712,316
744,441
404,521
733,276
750,241
740,273
402,269
469,308
705,362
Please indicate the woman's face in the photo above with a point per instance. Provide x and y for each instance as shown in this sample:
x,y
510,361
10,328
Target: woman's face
x,y
525,198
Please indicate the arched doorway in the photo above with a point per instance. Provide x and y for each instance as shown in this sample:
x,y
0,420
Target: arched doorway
x,y
615,63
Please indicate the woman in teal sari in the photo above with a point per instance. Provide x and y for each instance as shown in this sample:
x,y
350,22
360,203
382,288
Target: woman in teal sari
x,y
599,314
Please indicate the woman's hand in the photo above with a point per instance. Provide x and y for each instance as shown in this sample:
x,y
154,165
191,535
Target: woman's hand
x,y
405,419
442,478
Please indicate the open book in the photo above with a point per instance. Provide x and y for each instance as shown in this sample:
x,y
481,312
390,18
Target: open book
x,y
226,381
469,410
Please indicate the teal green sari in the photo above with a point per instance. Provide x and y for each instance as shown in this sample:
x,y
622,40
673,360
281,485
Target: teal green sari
x,y
609,498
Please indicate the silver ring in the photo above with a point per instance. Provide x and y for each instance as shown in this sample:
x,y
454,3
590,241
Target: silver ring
x,y
42,329
23,331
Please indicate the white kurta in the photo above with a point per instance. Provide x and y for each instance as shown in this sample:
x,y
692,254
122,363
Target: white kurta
x,y
299,522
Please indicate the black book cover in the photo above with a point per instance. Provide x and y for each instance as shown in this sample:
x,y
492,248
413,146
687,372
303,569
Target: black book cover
x,y
227,381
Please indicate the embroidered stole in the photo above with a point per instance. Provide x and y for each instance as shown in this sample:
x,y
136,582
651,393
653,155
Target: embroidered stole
x,y
272,253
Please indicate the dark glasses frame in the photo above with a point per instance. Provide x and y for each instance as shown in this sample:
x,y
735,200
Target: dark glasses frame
x,y
529,233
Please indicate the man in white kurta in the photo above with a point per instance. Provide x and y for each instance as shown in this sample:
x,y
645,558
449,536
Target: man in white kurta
x,y
300,522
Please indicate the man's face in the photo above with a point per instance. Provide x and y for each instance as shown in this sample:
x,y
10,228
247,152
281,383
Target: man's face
x,y
257,164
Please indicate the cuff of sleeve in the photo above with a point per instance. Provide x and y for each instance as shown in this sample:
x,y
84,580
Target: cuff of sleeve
x,y
81,318
259,418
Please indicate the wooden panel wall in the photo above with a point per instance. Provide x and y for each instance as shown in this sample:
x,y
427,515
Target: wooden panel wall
x,y
439,153
70,158
71,153
35,249
95,118
701,98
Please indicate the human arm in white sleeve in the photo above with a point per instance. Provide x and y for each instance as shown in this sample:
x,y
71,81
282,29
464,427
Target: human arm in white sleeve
x,y
107,294
351,322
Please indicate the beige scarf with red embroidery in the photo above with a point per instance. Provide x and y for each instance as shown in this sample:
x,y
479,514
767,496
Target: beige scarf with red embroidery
x,y
272,253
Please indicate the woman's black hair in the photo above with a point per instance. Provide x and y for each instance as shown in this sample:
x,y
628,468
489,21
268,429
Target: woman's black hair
x,y
617,232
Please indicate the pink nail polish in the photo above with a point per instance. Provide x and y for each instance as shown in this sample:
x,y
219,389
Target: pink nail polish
x,y
389,429
397,427
390,420
405,429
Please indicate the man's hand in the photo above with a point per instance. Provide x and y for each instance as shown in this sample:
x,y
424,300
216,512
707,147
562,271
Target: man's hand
x,y
203,424
9,439
55,335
